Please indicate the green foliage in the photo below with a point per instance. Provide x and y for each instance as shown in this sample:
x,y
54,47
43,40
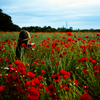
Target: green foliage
x,y
6,23
73,61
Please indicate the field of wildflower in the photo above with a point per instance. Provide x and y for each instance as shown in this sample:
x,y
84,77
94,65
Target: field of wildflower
x,y
60,66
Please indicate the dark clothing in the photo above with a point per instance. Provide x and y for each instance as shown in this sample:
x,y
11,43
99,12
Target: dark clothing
x,y
20,50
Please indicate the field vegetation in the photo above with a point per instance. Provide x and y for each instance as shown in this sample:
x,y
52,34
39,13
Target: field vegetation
x,y
60,66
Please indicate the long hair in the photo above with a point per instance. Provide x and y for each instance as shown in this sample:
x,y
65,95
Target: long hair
x,y
24,37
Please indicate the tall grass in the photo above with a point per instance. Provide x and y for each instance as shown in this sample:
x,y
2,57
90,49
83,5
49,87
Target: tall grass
x,y
63,67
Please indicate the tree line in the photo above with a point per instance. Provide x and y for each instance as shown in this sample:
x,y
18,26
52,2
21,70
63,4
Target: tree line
x,y
6,24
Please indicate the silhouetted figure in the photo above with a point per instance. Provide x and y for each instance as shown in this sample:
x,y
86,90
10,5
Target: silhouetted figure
x,y
24,37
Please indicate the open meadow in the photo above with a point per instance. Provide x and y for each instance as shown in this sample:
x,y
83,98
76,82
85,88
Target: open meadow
x,y
60,66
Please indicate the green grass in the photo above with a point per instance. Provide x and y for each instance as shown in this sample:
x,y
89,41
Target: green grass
x,y
63,58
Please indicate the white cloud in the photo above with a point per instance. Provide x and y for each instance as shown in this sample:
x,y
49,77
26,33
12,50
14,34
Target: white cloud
x,y
61,4
50,12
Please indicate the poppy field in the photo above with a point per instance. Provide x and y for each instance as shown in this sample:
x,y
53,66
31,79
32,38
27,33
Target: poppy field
x,y
60,66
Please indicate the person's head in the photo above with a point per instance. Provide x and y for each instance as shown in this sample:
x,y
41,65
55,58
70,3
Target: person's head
x,y
24,37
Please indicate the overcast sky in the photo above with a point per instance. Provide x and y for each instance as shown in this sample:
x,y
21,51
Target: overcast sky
x,y
82,14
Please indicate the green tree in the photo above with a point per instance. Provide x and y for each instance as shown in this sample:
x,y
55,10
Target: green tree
x,y
6,23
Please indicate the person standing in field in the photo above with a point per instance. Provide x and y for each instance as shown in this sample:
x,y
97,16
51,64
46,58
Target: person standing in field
x,y
23,40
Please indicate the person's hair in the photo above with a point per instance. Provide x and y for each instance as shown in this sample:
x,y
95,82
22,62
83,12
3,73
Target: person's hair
x,y
24,37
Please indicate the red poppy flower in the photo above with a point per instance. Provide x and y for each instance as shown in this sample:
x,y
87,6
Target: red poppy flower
x,y
52,51
69,39
17,62
76,82
53,57
43,71
11,77
96,73
7,59
36,81
57,48
69,34
92,40
9,65
90,59
72,48
6,40
65,45
53,45
97,34
23,44
85,97
83,41
50,89
63,37
66,75
67,88
37,60
64,53
0,48
86,36
40,77
85,71
36,35
61,55
34,63
4,50
22,71
93,62
31,75
13,39
33,93
42,62
98,38
61,86
96,67
75,36
30,83
21,65
27,55
84,51
84,59
27,64
62,72
86,88
1,60
57,63
79,60
48,38
79,38
56,77
1,89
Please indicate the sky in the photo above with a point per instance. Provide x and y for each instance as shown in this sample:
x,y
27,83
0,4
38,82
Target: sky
x,y
79,14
